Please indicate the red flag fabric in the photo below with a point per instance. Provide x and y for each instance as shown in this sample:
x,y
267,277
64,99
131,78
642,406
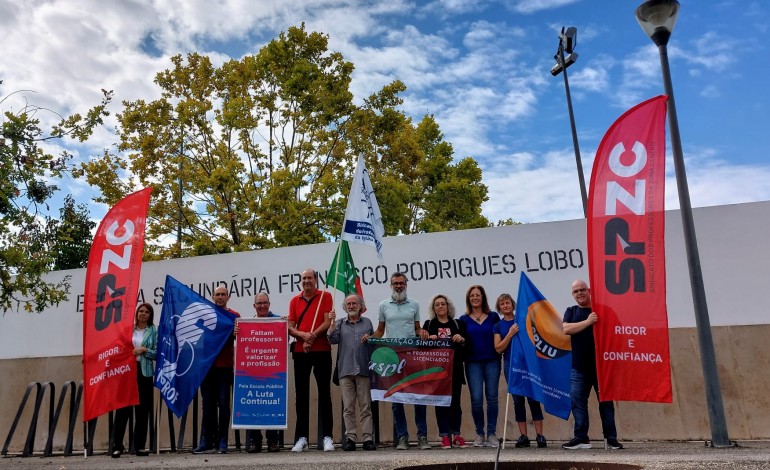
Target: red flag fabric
x,y
626,257
112,283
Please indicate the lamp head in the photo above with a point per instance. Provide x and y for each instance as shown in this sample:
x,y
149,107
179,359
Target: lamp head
x,y
568,37
569,60
657,18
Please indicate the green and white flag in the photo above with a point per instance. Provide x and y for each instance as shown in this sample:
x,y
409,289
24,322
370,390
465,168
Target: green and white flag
x,y
342,274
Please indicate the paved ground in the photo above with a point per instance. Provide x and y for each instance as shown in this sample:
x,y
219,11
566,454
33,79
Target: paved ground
x,y
647,455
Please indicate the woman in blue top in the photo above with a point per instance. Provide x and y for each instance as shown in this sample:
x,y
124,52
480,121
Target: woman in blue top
x,y
482,364
145,339
505,330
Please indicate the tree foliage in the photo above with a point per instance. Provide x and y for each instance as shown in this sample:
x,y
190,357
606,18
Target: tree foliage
x,y
71,235
26,231
262,149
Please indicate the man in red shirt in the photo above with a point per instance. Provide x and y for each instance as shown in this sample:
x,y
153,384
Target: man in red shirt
x,y
215,391
308,322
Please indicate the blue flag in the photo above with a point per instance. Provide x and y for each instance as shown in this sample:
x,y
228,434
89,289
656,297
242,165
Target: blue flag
x,y
191,333
541,354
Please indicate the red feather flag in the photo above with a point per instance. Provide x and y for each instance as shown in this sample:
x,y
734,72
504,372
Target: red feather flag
x,y
112,284
626,257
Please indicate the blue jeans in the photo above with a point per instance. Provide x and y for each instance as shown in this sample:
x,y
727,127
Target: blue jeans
x,y
580,388
399,420
483,379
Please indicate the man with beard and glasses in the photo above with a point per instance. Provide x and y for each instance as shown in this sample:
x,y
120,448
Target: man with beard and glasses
x,y
400,318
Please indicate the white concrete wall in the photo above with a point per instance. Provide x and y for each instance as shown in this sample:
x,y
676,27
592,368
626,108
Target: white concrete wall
x,y
734,258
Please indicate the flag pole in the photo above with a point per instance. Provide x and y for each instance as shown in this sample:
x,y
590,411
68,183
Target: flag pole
x,y
505,426
156,404
336,272
318,307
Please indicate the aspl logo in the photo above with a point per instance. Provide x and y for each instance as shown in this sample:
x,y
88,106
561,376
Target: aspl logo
x,y
385,362
188,330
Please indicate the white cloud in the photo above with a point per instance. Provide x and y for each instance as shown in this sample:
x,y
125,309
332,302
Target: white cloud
x,y
483,77
641,73
532,6
534,188
594,77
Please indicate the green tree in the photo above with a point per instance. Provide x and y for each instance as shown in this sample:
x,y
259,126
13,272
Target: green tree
x,y
432,193
417,183
262,149
25,230
71,236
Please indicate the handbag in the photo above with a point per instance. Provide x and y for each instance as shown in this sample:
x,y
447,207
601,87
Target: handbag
x,y
336,375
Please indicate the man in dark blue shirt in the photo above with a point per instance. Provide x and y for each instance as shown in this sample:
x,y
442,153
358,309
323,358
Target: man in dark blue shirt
x,y
579,323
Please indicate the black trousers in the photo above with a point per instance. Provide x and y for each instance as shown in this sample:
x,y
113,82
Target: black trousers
x,y
320,365
141,416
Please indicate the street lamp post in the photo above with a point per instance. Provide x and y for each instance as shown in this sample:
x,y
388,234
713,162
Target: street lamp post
x,y
657,19
567,42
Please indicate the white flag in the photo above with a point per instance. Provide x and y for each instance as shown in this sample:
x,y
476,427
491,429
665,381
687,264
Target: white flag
x,y
363,220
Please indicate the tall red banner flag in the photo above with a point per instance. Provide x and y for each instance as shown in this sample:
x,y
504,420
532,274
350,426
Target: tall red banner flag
x,y
626,257
112,283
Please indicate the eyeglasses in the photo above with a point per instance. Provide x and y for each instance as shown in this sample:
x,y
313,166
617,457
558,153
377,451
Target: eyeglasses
x,y
262,303
398,283
578,291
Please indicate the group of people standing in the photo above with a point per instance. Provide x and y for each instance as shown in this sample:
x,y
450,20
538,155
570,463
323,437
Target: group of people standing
x,y
480,338
478,344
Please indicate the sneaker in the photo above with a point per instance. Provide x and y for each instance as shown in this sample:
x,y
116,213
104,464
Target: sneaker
x,y
614,444
479,441
203,449
272,446
523,441
403,443
300,445
446,442
329,444
492,441
370,445
142,453
222,450
422,441
541,442
577,443
458,441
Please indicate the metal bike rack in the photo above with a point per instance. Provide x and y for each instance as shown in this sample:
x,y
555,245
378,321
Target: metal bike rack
x,y
40,390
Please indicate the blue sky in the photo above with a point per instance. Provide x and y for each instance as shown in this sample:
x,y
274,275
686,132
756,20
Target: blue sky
x,y
481,67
